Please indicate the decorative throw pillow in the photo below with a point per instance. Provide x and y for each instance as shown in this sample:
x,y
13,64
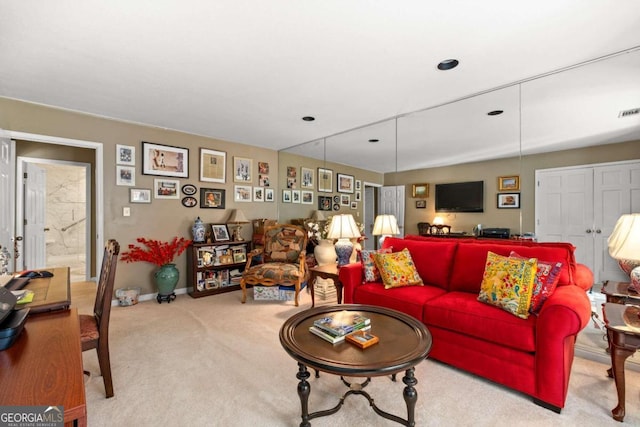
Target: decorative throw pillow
x,y
546,281
508,283
371,273
397,269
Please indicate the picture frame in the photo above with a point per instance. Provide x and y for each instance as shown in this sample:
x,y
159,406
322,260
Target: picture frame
x,y
509,183
189,202
306,197
220,233
345,200
140,195
324,203
325,180
286,196
421,204
242,169
166,188
420,191
213,165
295,196
242,193
263,180
354,205
263,168
239,257
345,183
307,178
258,194
125,155
126,175
165,160
212,198
358,197
358,184
508,200
269,195
189,190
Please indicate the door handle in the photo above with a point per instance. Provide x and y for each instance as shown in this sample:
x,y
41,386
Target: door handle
x,y
588,231
598,231
47,229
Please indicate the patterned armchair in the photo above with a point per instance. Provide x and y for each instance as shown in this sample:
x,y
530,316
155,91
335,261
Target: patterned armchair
x,y
282,261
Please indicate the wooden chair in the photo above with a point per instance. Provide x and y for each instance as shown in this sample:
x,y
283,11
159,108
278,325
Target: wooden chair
x,y
283,260
94,329
424,228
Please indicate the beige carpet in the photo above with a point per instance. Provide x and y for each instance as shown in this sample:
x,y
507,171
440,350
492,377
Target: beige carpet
x,y
215,362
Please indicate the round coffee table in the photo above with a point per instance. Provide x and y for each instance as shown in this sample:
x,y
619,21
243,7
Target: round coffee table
x,y
404,342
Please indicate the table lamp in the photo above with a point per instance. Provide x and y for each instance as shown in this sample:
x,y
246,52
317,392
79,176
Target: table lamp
x,y
385,225
343,228
624,246
237,218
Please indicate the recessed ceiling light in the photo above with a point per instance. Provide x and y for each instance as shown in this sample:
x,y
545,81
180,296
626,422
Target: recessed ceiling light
x,y
308,118
373,141
448,64
495,112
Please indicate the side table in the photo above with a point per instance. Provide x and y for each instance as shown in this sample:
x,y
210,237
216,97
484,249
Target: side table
x,y
329,271
619,293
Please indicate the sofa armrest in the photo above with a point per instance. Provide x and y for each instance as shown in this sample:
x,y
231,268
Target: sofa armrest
x,y
583,277
351,277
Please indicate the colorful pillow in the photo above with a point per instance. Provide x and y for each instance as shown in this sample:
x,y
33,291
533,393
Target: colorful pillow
x,y
397,269
371,273
508,283
546,281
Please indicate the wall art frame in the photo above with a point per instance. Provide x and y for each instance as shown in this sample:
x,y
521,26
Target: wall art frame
x,y
242,193
126,175
166,188
125,155
220,233
325,180
242,169
345,183
509,183
165,160
508,200
212,198
213,165
307,178
140,195
420,191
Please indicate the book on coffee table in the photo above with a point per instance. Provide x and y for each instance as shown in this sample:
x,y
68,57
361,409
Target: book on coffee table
x,y
333,339
341,323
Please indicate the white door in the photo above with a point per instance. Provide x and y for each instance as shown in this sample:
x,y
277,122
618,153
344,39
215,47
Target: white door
x,y
391,201
35,187
7,195
369,212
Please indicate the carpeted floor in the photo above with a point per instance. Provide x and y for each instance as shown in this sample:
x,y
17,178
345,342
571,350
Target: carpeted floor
x,y
216,362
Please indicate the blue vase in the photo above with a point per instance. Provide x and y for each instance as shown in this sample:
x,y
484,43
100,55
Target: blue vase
x,y
166,278
198,231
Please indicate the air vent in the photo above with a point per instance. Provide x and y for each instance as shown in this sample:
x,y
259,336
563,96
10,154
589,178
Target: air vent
x,y
631,112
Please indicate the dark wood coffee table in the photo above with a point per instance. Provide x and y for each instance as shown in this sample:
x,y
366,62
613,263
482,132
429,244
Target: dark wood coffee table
x,y
404,342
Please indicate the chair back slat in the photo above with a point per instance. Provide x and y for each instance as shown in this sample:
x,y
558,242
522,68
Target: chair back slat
x,y
104,293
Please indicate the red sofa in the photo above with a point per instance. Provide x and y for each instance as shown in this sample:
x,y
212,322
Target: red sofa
x,y
532,355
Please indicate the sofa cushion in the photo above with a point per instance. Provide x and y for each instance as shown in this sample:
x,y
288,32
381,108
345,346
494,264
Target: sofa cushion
x,y
433,260
545,282
369,269
463,313
409,299
397,269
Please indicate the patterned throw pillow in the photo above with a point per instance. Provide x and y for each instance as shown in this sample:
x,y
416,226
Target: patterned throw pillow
x,y
371,273
546,281
508,283
397,269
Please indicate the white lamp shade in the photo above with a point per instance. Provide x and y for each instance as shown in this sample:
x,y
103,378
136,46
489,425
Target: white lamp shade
x,y
385,225
438,221
237,217
343,227
624,241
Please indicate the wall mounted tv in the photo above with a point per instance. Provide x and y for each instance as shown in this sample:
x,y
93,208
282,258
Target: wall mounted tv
x,y
460,197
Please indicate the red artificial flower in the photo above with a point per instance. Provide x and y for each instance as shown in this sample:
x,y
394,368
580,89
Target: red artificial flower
x,y
156,252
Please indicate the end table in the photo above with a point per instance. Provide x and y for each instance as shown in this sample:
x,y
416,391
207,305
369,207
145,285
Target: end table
x,y
620,293
329,271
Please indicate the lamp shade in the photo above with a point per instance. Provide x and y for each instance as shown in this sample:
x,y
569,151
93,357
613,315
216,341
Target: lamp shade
x,y
343,227
385,225
624,241
438,221
237,217
318,216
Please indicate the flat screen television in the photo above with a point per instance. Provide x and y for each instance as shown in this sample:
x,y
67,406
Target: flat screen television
x,y
460,197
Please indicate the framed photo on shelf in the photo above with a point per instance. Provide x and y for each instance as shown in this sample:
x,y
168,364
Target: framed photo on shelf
x,y
125,155
164,160
306,197
307,179
220,232
509,183
420,191
242,169
213,165
508,200
269,195
126,175
212,198
346,183
166,188
242,193
325,180
140,195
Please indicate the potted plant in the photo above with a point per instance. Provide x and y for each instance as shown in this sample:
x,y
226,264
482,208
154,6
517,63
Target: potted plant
x,y
161,254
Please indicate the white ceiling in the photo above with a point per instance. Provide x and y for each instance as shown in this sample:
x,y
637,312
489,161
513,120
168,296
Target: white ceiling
x,y
248,71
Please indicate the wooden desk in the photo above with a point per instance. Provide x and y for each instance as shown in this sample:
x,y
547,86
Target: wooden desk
x,y
44,366
50,293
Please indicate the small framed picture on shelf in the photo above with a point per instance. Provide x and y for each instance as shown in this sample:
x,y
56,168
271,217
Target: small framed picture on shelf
x,y
362,339
508,200
220,232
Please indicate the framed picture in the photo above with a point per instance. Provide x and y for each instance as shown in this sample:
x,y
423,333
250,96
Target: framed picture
x,y
307,197
164,160
421,204
358,185
258,194
125,155
263,180
420,191
189,202
295,196
189,190
166,188
508,200
220,232
269,195
346,183
140,195
213,165
324,203
263,168
242,193
345,200
212,198
358,194
509,183
307,178
354,205
325,180
126,175
242,169
286,196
